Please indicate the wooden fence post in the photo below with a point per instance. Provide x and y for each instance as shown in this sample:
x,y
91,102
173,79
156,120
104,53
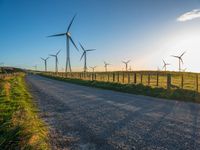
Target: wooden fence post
x,y
168,81
182,81
108,77
95,76
118,77
128,77
113,77
123,77
141,78
135,78
149,79
92,76
197,83
157,79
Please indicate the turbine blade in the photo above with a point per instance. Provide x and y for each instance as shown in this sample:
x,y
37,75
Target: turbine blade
x,y
58,52
82,55
73,43
42,58
164,62
182,54
174,56
90,50
71,23
52,55
81,46
181,60
61,34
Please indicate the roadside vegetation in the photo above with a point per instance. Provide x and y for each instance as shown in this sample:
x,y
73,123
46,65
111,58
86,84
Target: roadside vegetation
x,y
139,89
20,126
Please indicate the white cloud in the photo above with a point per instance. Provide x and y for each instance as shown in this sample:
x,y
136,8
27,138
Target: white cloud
x,y
189,15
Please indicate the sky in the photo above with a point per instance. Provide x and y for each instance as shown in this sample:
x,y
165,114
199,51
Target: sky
x,y
144,31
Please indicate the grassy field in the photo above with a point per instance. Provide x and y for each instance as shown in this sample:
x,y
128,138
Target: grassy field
x,y
20,126
179,80
140,89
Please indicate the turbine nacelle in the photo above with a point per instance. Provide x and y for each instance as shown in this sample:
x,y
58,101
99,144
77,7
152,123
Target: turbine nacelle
x,y
68,34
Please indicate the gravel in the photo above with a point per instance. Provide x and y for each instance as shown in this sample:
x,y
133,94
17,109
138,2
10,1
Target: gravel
x,y
85,118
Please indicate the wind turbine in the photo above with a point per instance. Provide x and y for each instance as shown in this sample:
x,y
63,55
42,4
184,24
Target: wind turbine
x,y
179,59
56,60
45,62
35,67
93,68
68,39
85,56
165,65
126,64
106,65
1,64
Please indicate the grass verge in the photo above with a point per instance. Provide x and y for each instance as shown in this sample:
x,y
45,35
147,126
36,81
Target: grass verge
x,y
20,126
139,89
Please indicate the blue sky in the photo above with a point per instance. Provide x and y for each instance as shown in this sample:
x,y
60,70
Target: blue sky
x,y
145,31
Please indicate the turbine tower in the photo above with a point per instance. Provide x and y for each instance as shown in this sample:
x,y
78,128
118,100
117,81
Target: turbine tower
x,y
56,60
93,68
126,64
45,62
68,39
180,60
165,65
106,66
85,56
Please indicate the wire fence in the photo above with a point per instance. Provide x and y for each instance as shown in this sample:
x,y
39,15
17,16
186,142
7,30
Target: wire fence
x,y
168,80
7,75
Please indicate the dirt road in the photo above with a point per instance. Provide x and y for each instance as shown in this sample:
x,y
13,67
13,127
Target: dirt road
x,y
88,118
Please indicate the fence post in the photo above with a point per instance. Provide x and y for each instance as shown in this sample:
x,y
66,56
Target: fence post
x,y
149,79
197,83
135,78
128,77
108,77
157,79
113,77
141,77
168,81
123,77
92,76
182,81
118,77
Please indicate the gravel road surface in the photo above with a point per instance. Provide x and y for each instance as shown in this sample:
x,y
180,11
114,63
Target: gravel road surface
x,y
85,118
